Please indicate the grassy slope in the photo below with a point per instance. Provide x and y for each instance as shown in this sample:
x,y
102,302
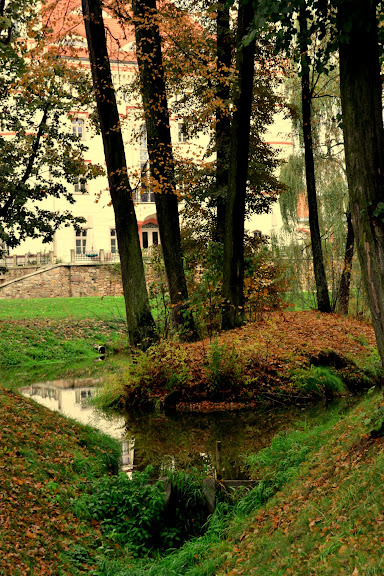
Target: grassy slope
x,y
329,519
45,459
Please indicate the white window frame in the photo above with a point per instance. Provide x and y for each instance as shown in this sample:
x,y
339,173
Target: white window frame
x,y
78,128
80,186
81,241
182,137
113,241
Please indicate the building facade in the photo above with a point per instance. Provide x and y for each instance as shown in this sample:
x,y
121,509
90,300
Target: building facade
x,y
92,196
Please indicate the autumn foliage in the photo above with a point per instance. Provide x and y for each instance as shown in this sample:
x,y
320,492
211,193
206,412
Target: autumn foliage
x,y
272,361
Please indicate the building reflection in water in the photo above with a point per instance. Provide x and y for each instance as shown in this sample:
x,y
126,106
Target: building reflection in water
x,y
71,398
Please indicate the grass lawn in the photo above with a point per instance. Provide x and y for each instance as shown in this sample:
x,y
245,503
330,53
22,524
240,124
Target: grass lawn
x,y
48,330
92,308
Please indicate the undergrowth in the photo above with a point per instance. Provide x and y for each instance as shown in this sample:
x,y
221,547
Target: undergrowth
x,y
276,465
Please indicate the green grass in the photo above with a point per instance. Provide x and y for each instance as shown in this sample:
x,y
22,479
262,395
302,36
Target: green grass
x,y
46,462
316,510
107,308
48,330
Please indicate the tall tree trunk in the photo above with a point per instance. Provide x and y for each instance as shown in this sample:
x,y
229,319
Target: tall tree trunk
x,y
141,326
233,276
323,302
148,51
223,116
345,280
361,93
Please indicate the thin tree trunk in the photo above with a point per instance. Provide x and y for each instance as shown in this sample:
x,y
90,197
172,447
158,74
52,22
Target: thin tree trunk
x,y
361,93
233,276
345,280
148,51
141,327
223,116
323,301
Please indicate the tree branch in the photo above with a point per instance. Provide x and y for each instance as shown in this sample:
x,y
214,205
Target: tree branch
x,y
12,197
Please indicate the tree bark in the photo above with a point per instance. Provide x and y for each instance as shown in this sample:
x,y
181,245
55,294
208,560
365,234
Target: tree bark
x,y
345,280
361,93
148,51
323,301
233,274
223,116
141,327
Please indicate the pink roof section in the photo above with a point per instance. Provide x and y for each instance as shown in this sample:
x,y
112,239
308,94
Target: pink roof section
x,y
65,21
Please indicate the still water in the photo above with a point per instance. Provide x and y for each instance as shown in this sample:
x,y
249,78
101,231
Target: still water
x,y
180,440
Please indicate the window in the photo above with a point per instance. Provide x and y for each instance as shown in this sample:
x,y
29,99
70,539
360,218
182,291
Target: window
x,y
113,241
78,127
80,185
182,135
81,241
149,235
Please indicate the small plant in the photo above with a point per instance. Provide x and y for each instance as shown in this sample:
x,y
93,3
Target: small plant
x,y
129,510
224,367
158,291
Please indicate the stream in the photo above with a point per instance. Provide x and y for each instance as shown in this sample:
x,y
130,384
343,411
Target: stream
x,y
176,440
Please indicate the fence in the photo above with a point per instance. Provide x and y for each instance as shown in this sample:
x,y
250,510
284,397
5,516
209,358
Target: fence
x,y
39,259
94,256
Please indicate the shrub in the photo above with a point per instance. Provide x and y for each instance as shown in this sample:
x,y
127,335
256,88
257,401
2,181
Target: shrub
x,y
224,368
264,282
132,511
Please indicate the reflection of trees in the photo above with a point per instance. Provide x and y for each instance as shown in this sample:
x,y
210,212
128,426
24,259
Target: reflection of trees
x,y
188,436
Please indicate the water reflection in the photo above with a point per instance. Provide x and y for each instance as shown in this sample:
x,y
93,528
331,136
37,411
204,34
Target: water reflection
x,y
179,440
71,398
